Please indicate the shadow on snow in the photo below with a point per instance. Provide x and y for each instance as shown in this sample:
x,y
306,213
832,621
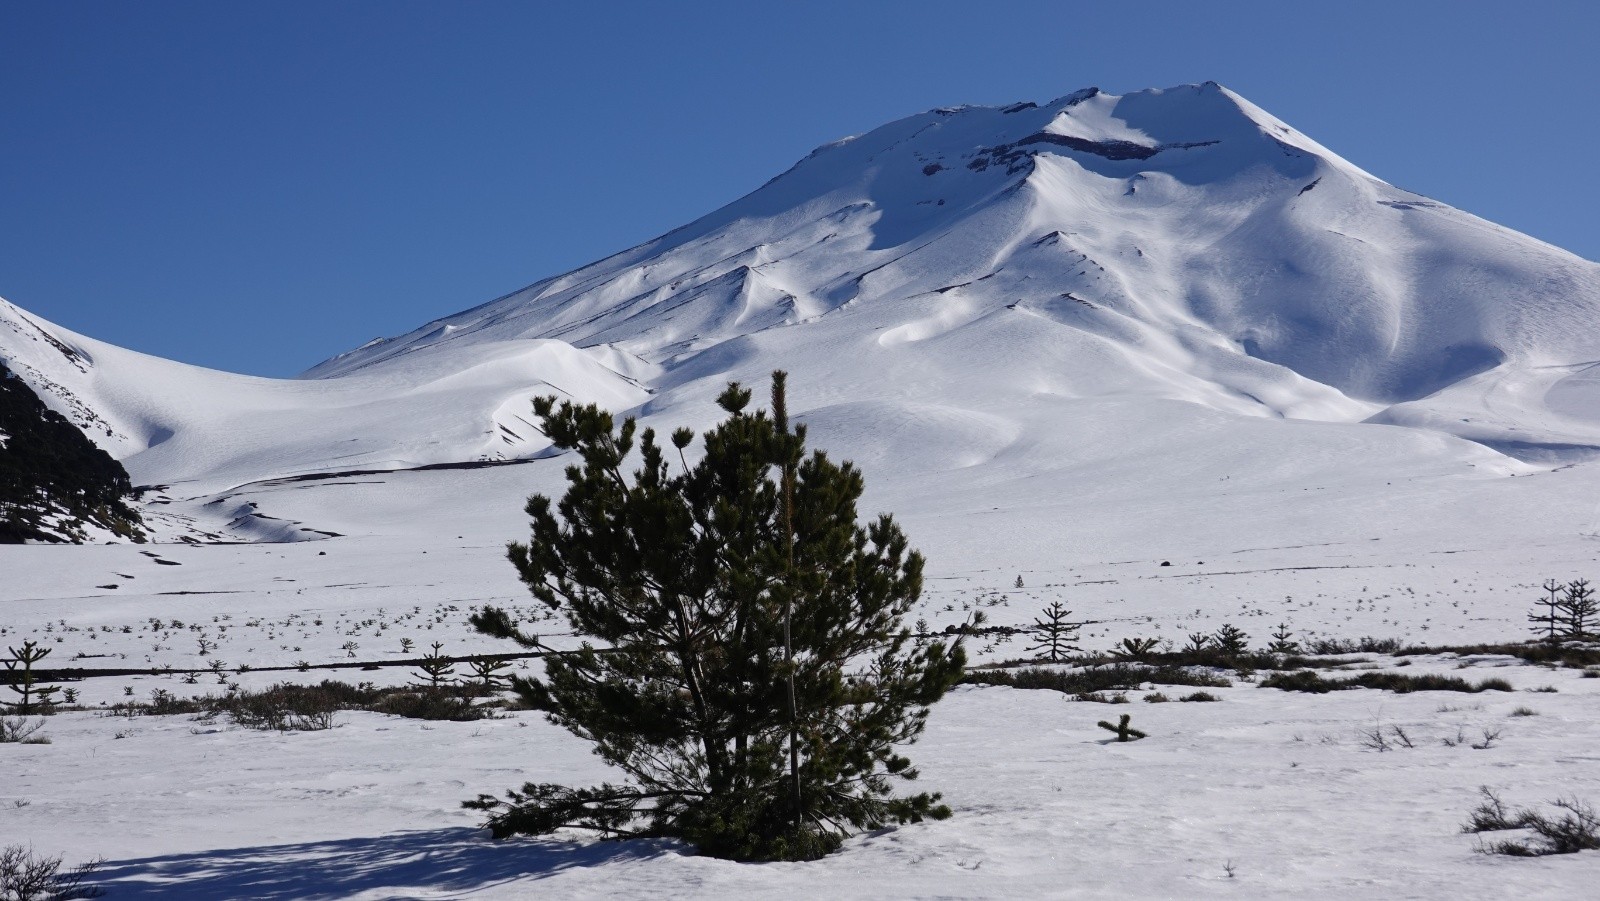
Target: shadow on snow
x,y
405,864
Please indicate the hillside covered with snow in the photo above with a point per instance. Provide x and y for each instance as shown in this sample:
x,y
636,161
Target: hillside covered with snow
x,y
1177,245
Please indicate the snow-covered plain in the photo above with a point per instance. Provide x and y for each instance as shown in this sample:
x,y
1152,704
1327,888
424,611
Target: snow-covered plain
x,y
1068,342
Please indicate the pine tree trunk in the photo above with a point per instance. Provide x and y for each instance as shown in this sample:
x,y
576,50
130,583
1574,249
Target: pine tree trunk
x,y
780,414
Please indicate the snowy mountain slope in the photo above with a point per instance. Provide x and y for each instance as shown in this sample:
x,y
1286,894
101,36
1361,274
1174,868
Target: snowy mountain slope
x,y
173,423
1206,250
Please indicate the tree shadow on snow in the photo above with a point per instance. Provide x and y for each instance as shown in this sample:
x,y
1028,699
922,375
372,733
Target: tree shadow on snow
x,y
428,863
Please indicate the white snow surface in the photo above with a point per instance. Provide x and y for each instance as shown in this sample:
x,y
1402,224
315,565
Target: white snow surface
x,y
1069,342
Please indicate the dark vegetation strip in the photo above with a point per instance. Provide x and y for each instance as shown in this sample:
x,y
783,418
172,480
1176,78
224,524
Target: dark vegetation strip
x,y
1307,681
1567,654
76,674
1116,677
295,708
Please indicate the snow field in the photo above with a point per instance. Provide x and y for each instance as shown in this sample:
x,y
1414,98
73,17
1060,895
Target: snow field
x,y
1281,786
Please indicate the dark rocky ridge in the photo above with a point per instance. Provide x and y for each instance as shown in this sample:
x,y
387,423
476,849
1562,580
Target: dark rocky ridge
x,y
54,482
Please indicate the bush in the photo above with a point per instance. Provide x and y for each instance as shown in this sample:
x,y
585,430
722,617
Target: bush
x,y
289,707
1087,680
1200,696
22,731
282,708
1491,814
430,704
1210,655
25,876
1568,654
165,703
1329,647
1576,828
1308,681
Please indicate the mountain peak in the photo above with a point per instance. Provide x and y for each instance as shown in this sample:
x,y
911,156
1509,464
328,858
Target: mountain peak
x,y
1184,226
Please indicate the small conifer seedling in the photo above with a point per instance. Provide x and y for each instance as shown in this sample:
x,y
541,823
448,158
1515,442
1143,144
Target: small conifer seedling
x,y
1134,648
1231,640
1122,729
491,674
437,671
1578,609
34,698
1056,634
1547,622
1283,641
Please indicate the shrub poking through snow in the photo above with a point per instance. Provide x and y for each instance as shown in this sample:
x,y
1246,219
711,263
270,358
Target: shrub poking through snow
x,y
1308,681
1124,732
1562,652
430,704
281,708
25,876
1365,645
21,731
1118,676
289,707
1491,814
1575,828
749,670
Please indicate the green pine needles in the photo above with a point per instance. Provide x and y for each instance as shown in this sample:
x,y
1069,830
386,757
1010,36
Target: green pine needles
x,y
745,665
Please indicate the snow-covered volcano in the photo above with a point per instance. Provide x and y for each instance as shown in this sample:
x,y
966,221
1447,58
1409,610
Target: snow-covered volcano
x,y
1180,243
977,278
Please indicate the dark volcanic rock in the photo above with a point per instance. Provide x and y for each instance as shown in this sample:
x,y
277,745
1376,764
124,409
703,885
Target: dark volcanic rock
x,y
54,481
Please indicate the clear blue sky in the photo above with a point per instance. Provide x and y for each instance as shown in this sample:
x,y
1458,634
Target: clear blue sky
x,y
258,186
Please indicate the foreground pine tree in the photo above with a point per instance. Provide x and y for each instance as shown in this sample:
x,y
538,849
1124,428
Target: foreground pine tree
x,y
745,665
